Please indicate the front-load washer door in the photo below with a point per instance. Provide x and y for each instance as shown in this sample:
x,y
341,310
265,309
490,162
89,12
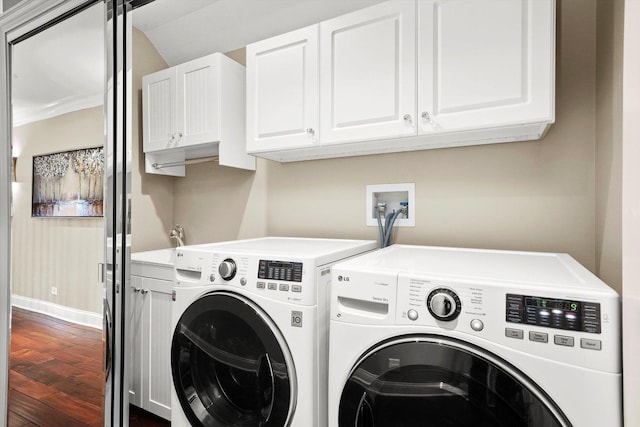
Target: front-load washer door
x,y
230,365
435,381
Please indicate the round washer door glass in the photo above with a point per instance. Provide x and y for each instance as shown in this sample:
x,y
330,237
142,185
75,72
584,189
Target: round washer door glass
x,y
441,382
229,367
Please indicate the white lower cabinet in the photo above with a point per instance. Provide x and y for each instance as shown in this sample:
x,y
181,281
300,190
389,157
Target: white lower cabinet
x,y
150,364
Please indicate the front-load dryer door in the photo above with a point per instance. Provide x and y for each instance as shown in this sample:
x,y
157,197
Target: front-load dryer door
x,y
230,365
434,381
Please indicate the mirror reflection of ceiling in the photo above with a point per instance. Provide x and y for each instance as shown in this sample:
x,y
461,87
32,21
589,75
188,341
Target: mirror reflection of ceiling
x,y
62,69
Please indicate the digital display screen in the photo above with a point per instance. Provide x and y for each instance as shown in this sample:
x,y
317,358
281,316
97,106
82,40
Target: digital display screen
x,y
280,270
553,303
278,264
555,313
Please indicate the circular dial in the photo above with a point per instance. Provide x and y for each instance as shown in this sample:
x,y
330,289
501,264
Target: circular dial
x,y
227,269
444,304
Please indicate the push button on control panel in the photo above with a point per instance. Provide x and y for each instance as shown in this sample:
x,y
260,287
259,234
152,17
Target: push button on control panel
x,y
477,325
590,344
284,287
538,336
296,288
272,286
260,285
563,340
514,333
412,315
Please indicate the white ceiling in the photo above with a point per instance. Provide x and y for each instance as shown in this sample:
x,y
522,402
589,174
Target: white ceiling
x,y
62,69
182,30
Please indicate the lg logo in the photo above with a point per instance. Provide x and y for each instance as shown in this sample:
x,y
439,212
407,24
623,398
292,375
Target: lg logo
x,y
342,278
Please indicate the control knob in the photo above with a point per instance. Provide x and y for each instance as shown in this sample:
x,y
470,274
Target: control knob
x,y
443,304
227,269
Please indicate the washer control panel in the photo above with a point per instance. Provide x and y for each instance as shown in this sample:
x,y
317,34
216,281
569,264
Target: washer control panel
x,y
573,330
569,315
280,270
290,280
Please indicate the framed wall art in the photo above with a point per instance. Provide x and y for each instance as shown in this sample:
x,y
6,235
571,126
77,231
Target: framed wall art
x,y
68,184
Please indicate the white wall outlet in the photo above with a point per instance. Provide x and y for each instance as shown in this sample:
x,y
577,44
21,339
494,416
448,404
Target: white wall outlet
x,y
394,196
54,290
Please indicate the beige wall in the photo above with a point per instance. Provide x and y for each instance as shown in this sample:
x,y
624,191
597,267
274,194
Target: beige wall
x,y
215,203
60,252
540,195
151,195
609,141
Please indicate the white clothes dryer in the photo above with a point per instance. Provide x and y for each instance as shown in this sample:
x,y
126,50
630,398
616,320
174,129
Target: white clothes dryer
x,y
250,340
432,336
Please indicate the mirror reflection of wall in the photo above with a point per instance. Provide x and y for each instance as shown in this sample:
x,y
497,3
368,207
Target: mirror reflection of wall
x,y
57,96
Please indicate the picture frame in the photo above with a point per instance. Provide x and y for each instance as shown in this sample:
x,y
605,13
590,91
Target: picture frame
x,y
68,184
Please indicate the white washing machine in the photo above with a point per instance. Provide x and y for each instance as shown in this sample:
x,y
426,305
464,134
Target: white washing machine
x,y
429,336
250,322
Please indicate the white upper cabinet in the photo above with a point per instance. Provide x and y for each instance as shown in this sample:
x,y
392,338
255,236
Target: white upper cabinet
x,y
282,91
181,105
484,63
407,75
368,73
198,107
195,110
160,110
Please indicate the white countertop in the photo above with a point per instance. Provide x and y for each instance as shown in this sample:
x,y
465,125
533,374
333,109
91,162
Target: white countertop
x,y
160,257
154,264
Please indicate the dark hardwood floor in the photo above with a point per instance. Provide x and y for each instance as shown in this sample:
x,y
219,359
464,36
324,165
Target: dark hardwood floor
x,y
56,376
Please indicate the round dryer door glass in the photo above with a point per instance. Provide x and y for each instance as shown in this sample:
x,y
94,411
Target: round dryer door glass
x,y
419,382
229,365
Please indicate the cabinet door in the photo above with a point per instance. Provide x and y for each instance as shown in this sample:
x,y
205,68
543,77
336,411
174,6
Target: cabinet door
x,y
157,347
484,63
198,118
159,106
282,91
135,354
368,77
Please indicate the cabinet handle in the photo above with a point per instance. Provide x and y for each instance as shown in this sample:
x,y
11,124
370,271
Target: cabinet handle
x,y
174,138
427,117
407,118
135,289
144,291
311,132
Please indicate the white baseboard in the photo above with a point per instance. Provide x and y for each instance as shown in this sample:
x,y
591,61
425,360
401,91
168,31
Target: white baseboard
x,y
73,315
